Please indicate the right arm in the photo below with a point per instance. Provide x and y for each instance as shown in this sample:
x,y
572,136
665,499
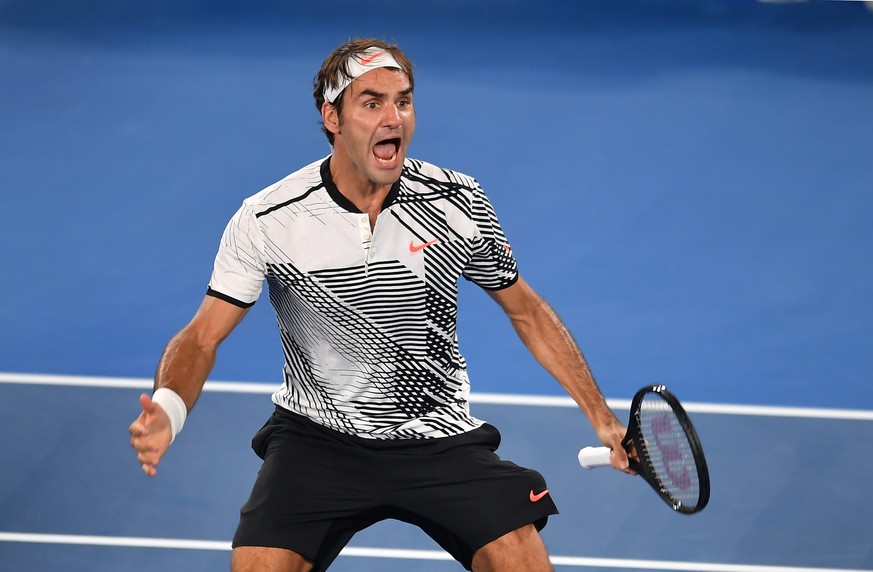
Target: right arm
x,y
183,368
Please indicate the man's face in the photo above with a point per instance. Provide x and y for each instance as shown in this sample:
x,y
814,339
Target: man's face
x,y
376,125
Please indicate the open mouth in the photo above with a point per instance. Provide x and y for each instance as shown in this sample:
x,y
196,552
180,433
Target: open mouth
x,y
386,150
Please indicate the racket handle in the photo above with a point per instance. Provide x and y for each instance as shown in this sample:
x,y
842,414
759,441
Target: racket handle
x,y
593,457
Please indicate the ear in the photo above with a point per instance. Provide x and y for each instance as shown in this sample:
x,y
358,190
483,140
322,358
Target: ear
x,y
330,118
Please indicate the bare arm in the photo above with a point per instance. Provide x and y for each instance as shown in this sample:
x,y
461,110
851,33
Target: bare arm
x,y
549,341
183,368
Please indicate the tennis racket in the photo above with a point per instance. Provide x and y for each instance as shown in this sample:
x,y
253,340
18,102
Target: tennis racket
x,y
670,456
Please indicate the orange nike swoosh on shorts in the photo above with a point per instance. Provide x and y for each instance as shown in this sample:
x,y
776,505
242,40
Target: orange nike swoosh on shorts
x,y
535,497
369,59
416,247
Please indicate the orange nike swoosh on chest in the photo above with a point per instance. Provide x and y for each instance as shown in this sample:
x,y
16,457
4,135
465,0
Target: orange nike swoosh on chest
x,y
417,247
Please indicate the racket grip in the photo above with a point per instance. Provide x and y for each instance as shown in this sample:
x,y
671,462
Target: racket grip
x,y
593,457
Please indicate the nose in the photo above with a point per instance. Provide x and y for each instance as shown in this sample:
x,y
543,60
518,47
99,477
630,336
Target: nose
x,y
391,117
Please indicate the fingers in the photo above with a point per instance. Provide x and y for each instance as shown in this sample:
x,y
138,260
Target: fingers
x,y
150,435
149,462
613,435
625,456
148,459
147,454
148,406
139,427
619,459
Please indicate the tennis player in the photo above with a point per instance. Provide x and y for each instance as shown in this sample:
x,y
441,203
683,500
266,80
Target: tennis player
x,y
362,252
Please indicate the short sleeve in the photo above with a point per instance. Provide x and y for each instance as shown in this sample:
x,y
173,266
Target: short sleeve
x,y
238,274
492,265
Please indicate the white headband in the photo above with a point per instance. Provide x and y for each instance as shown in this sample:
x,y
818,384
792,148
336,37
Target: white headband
x,y
356,66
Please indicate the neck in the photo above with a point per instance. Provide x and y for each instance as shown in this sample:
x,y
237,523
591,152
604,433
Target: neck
x,y
363,193
367,195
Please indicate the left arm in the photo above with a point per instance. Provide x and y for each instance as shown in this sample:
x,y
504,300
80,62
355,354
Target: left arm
x,y
549,341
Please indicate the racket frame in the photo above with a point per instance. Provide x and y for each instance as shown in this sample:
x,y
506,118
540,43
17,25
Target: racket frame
x,y
644,466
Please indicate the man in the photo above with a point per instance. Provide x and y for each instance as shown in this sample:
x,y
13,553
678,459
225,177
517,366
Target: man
x,y
362,252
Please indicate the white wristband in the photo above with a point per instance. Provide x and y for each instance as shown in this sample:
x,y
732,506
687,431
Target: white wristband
x,y
174,407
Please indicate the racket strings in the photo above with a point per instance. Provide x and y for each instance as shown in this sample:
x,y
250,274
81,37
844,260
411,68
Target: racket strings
x,y
668,452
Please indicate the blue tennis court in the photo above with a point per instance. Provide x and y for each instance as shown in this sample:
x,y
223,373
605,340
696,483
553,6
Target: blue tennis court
x,y
687,182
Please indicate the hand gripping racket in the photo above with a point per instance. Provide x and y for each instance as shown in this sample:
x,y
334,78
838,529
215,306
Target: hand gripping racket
x,y
670,456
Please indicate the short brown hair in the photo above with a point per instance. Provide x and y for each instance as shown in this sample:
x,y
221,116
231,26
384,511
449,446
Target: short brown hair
x,y
337,63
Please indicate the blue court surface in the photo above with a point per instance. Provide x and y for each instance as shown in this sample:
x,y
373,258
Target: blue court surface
x,y
689,183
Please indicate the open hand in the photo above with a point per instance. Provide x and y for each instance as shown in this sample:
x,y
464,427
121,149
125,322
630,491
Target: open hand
x,y
150,435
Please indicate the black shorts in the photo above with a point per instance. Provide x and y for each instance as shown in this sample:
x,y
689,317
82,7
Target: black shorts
x,y
318,487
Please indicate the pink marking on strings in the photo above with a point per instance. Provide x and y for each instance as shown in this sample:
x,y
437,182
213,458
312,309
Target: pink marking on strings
x,y
670,451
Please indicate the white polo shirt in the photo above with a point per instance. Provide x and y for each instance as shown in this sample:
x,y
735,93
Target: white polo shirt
x,y
367,319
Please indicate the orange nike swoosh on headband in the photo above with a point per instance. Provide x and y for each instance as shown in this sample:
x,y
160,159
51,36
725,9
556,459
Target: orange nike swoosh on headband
x,y
416,247
536,497
369,59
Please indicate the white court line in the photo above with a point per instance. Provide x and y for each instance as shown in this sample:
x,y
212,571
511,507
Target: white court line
x,y
489,398
406,554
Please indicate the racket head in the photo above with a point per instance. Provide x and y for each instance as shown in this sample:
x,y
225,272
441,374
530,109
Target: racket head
x,y
671,458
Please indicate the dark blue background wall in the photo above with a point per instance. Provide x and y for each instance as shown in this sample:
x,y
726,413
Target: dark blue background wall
x,y
689,183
